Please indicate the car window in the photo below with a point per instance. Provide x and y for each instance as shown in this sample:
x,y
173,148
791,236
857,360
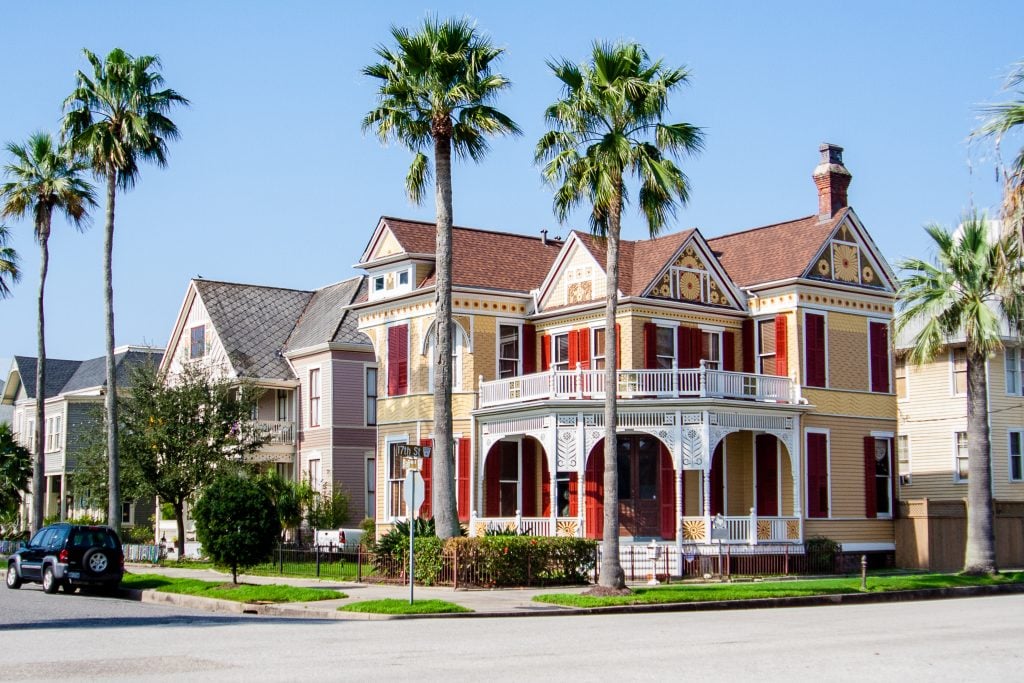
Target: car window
x,y
93,538
37,540
56,538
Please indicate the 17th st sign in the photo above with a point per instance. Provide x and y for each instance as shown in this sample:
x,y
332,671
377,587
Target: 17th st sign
x,y
407,451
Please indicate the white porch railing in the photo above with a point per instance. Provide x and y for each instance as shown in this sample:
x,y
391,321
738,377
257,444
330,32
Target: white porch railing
x,y
280,432
532,526
750,529
672,383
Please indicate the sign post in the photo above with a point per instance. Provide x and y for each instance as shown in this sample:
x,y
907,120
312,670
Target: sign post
x,y
414,495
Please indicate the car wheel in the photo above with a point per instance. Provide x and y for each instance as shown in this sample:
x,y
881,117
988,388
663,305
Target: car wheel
x,y
96,561
50,582
12,577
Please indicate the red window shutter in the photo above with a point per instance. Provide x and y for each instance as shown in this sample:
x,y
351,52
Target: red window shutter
x,y
492,485
814,349
545,487
683,351
667,495
528,478
574,495
618,346
426,468
729,351
574,348
529,349
398,360
650,346
695,339
749,352
767,463
545,353
870,501
781,346
584,348
462,480
879,339
717,498
817,475
595,493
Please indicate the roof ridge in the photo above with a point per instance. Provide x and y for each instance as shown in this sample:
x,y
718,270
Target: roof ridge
x,y
247,284
475,229
763,227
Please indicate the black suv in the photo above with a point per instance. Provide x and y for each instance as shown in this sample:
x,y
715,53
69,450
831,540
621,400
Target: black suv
x,y
68,555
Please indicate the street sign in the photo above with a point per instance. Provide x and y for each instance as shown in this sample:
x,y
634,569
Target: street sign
x,y
414,493
408,451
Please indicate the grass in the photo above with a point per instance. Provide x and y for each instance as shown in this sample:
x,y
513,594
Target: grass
x,y
393,606
341,571
228,591
777,589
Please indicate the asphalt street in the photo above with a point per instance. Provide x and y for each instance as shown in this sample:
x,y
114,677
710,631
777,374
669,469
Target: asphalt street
x,y
47,637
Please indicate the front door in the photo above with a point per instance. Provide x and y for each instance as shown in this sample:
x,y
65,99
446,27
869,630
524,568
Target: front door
x,y
638,460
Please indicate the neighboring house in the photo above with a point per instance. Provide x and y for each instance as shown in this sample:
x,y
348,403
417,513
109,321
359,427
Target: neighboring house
x,y
754,380
6,412
932,453
74,404
303,349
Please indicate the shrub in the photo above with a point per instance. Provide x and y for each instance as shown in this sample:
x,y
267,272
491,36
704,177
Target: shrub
x,y
429,559
328,512
369,527
821,554
142,535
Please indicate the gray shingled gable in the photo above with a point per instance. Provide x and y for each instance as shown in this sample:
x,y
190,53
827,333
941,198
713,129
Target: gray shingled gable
x,y
253,323
65,376
348,331
325,318
58,372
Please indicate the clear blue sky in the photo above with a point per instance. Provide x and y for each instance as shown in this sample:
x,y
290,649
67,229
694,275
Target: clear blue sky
x,y
274,183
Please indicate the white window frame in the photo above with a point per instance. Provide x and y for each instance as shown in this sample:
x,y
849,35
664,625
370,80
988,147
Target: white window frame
x,y
460,340
906,377
370,473
389,504
281,401
594,357
901,450
366,394
315,482
1019,432
713,330
828,469
519,474
673,326
315,420
498,358
889,437
192,355
803,344
1012,352
378,284
555,363
758,356
952,371
957,479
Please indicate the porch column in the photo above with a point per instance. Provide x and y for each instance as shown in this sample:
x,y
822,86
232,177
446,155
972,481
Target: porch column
x,y
680,473
63,497
705,493
581,474
796,457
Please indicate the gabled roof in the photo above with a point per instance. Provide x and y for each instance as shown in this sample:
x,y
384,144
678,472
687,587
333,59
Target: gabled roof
x,y
67,376
639,260
773,252
480,258
253,323
326,318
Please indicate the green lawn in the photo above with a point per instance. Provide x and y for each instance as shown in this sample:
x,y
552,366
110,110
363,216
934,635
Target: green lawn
x,y
228,591
392,606
340,571
777,589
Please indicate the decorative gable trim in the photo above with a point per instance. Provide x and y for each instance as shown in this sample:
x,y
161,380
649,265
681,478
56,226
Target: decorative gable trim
x,y
214,350
693,275
383,239
849,256
580,285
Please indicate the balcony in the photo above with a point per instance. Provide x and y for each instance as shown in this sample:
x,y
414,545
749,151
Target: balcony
x,y
664,384
277,432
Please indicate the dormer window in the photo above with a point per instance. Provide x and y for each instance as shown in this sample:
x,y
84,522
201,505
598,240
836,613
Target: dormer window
x,y
403,278
198,342
378,283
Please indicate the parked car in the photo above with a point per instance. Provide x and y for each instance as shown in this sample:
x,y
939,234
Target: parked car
x,y
68,556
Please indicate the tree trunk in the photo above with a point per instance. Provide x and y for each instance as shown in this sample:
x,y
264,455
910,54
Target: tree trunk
x,y
234,573
612,575
40,491
110,401
446,518
179,518
980,555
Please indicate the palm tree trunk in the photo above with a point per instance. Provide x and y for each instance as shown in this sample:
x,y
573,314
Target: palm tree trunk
x,y
612,575
40,490
446,518
113,464
980,556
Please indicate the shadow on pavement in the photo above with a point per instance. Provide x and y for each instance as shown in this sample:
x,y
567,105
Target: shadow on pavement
x,y
165,620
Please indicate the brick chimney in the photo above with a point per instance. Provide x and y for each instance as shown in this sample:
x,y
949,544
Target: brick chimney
x,y
832,180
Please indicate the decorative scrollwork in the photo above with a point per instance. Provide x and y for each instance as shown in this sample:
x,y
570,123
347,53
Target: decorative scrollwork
x,y
792,529
764,530
693,530
566,527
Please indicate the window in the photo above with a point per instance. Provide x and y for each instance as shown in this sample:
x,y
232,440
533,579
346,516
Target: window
x,y
883,477
711,349
398,360
198,342
1013,371
508,351
1016,455
53,433
958,360
371,487
403,277
814,350
878,354
378,283
903,458
282,405
665,348
371,396
315,474
900,375
30,436
396,482
560,352
314,397
960,470
597,349
127,512
254,412
508,479
766,347
818,490
458,341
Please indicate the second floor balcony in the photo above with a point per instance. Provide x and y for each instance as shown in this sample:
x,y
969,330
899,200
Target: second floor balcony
x,y
674,383
277,432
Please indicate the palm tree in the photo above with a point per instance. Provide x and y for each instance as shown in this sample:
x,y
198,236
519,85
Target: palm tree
x,y
41,178
116,118
9,272
435,89
607,126
973,288
1002,118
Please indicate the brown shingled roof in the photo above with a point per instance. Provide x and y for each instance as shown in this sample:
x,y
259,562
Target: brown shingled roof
x,y
639,260
482,258
773,252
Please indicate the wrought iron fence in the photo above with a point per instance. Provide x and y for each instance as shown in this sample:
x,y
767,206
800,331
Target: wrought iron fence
x,y
348,563
640,563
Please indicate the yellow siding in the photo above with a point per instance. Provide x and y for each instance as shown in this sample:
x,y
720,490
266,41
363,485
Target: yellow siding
x,y
579,267
387,245
485,352
847,351
1005,413
846,460
862,403
867,531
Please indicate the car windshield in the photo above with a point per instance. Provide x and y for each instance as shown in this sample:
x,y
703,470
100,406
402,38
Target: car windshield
x,y
93,538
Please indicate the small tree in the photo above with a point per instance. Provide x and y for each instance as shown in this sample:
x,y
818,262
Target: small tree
x,y
15,470
236,522
290,500
328,511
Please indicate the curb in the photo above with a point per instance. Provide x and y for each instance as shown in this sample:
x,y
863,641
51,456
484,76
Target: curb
x,y
291,610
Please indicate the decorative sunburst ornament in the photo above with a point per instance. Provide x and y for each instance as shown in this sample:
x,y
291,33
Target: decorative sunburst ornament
x,y
845,262
689,286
